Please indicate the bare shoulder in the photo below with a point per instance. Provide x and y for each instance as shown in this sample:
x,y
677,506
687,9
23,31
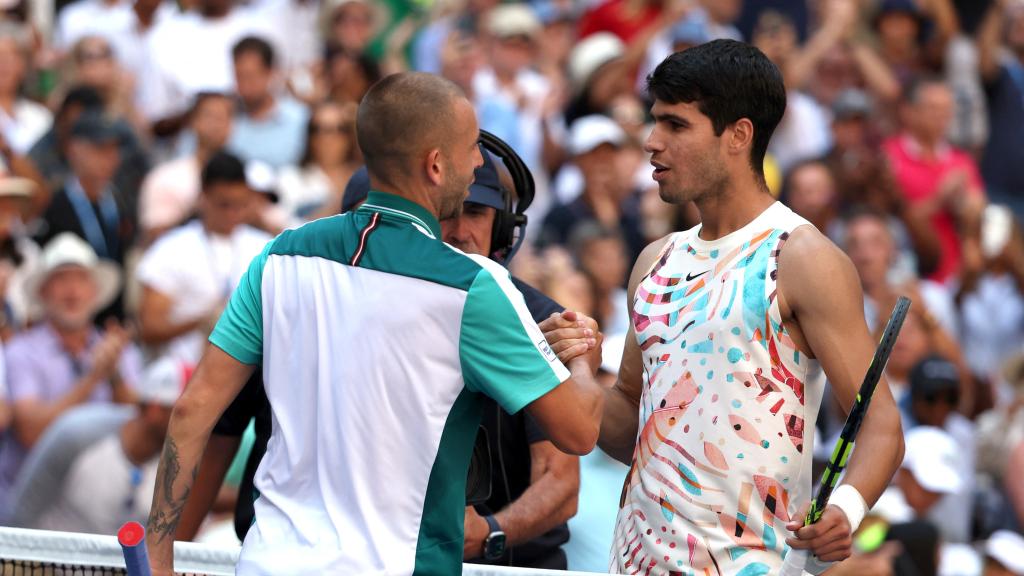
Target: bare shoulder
x,y
646,261
814,272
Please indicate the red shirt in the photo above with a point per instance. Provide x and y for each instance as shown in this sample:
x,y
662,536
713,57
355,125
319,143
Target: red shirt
x,y
919,178
613,16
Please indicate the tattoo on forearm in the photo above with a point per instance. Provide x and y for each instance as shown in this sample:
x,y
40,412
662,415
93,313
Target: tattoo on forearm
x,y
166,512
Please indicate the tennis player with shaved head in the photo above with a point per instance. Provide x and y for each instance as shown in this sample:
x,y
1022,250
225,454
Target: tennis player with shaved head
x,y
377,341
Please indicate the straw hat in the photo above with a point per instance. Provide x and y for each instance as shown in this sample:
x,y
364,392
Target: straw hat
x,y
67,251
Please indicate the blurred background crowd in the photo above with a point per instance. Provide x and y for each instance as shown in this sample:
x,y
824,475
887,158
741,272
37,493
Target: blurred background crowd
x,y
149,149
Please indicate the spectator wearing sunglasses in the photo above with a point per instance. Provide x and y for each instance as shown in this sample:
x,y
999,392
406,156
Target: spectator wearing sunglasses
x,y
313,189
934,396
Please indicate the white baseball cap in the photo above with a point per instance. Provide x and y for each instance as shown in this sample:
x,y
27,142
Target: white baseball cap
x,y
1007,548
508,20
163,381
931,456
589,132
590,54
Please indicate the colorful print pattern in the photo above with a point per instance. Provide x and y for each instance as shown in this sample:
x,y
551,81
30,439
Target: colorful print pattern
x,y
720,463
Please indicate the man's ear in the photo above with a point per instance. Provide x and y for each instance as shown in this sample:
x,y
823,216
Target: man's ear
x,y
434,167
740,137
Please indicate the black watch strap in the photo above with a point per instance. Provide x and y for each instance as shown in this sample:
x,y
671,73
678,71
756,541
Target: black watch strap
x,y
492,524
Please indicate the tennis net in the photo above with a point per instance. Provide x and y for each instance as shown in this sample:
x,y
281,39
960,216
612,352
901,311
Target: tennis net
x,y
45,553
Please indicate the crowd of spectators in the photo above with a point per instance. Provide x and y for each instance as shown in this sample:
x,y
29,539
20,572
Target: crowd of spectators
x,y
149,149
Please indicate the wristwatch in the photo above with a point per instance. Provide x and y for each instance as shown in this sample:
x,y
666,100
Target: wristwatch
x,y
494,544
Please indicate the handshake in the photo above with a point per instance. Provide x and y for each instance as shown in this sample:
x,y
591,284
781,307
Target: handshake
x,y
574,337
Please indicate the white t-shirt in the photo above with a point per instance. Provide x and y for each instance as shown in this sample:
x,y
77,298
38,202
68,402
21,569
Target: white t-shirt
x,y
26,125
88,18
198,271
303,190
992,323
187,54
169,193
102,491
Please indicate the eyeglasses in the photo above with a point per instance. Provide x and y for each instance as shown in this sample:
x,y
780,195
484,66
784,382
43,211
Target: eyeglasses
x,y
330,128
94,55
950,397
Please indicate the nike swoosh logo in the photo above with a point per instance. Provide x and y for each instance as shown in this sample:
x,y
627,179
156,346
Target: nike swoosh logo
x,y
690,278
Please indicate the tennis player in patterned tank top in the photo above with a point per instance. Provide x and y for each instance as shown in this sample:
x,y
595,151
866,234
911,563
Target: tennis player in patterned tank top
x,y
735,325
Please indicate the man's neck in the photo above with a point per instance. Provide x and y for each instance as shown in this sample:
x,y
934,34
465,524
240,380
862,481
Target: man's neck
x,y
74,340
260,109
926,147
413,194
140,445
738,205
93,189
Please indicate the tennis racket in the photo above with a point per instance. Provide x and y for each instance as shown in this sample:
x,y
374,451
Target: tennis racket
x,y
798,560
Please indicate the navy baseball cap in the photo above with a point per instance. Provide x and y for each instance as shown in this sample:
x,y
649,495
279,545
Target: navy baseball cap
x,y
485,190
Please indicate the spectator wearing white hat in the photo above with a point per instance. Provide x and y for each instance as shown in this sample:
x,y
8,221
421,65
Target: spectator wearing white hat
x,y
111,480
606,194
511,37
188,274
65,361
928,474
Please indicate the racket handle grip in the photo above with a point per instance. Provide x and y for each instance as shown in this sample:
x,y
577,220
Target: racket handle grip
x,y
798,562
132,537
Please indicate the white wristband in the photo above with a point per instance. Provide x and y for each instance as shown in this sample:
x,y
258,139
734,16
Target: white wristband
x,y
849,500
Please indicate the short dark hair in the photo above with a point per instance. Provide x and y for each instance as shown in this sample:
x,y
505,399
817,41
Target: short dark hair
x,y
86,97
912,91
400,116
222,168
254,45
205,96
727,80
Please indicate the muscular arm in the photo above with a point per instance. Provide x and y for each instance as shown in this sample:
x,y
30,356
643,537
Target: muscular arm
x,y
819,287
549,501
570,414
216,382
620,420
220,451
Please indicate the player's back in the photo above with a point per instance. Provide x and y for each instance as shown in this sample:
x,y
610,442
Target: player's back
x,y
373,385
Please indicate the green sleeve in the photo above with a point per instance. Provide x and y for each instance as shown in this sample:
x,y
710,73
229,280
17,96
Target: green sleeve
x,y
503,352
239,332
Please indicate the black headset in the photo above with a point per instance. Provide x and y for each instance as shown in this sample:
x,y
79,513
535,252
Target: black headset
x,y
505,242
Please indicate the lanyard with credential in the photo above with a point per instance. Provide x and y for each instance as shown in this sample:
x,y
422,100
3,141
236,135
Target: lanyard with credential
x,y
90,225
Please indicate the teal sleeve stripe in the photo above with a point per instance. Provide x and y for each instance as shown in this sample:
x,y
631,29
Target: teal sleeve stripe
x,y
239,332
503,353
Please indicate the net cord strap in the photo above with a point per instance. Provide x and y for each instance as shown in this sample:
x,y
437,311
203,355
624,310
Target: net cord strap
x,y
92,550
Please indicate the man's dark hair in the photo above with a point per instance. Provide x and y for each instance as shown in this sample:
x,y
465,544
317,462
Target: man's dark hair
x,y
86,97
727,80
864,212
206,96
223,167
254,45
402,115
912,91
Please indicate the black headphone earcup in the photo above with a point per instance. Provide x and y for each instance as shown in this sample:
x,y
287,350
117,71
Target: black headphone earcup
x,y
503,232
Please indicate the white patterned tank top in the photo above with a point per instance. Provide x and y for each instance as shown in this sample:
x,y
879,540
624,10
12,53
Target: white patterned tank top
x,y
727,413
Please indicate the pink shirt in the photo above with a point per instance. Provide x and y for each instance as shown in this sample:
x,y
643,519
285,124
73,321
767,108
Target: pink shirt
x,y
919,178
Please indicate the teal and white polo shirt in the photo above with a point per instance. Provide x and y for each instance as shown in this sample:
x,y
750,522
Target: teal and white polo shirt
x,y
376,341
